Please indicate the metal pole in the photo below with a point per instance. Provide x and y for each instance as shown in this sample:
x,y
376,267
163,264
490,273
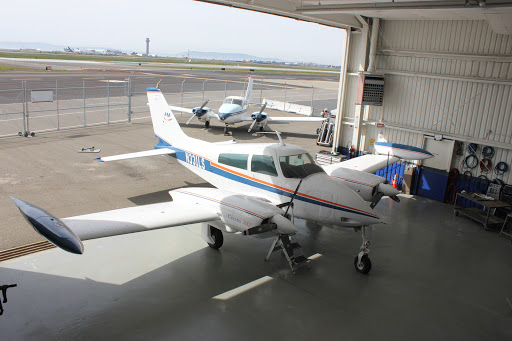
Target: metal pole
x,y
261,91
23,95
203,89
285,89
129,100
83,91
182,92
312,96
226,89
27,131
57,95
108,102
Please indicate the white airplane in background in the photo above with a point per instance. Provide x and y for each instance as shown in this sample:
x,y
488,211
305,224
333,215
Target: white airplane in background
x,y
254,184
234,110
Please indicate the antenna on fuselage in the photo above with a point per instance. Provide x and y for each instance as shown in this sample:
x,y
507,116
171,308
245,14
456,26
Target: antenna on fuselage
x,y
278,133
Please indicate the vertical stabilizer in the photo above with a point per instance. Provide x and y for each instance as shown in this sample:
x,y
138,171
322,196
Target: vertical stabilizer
x,y
165,125
248,93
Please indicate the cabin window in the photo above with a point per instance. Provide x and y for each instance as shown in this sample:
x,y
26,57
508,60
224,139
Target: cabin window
x,y
263,164
234,160
237,101
298,166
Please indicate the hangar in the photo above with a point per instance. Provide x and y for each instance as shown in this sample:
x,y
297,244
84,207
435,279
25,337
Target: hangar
x,y
437,74
444,82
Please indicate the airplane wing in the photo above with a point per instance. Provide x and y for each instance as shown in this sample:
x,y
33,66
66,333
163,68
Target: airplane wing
x,y
295,119
365,163
68,233
152,152
189,111
138,219
180,109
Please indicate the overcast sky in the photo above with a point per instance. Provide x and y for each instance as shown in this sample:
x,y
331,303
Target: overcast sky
x,y
173,26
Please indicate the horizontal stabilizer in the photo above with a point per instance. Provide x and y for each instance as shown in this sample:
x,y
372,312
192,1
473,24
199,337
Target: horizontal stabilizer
x,y
152,152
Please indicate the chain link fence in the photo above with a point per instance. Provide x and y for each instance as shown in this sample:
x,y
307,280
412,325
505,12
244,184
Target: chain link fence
x,y
27,110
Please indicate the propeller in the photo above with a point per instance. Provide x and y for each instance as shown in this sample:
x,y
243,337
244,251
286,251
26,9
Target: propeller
x,y
197,111
278,222
256,117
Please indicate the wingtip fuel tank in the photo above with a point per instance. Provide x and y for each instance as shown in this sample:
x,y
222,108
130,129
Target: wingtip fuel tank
x,y
50,227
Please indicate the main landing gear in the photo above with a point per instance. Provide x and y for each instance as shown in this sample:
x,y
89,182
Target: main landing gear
x,y
207,124
226,130
217,237
362,262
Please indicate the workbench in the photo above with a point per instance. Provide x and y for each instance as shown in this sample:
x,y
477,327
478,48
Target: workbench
x,y
483,215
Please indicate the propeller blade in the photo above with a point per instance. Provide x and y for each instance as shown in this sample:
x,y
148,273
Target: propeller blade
x,y
376,198
262,108
252,125
293,197
190,119
202,106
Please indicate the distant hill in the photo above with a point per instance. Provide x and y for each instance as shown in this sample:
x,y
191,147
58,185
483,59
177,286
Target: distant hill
x,y
226,56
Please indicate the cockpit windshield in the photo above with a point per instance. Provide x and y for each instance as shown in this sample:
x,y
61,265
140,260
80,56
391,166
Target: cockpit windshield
x,y
233,101
298,166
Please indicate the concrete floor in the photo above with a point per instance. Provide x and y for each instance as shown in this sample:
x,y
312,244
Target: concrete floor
x,y
434,275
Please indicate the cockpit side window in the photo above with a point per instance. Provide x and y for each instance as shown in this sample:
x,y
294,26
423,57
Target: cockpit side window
x,y
298,166
237,101
234,160
263,164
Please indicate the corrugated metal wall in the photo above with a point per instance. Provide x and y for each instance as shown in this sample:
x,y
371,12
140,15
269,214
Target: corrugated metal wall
x,y
441,77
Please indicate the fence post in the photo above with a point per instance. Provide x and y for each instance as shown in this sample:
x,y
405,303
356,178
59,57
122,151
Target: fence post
x,y
57,96
203,89
261,90
83,91
108,102
285,89
129,99
312,96
27,131
226,89
23,106
182,92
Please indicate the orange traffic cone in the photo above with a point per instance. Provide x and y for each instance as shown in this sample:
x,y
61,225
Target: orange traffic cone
x,y
394,183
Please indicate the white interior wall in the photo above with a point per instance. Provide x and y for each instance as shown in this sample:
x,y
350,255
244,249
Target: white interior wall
x,y
441,77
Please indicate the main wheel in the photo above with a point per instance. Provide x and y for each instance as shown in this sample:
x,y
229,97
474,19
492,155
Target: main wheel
x,y
365,266
207,124
217,237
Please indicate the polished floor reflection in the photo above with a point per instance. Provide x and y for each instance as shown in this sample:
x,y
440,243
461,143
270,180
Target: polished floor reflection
x,y
434,276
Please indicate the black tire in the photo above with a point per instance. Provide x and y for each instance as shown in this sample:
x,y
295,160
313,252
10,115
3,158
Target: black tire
x,y
226,130
207,124
217,237
262,129
365,266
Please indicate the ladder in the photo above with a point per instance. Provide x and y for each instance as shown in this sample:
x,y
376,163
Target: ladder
x,y
291,250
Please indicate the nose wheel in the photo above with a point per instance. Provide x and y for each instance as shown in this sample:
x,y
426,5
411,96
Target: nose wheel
x,y
362,262
226,130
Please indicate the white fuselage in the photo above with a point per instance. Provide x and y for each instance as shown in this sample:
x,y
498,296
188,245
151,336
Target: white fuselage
x,y
257,170
232,110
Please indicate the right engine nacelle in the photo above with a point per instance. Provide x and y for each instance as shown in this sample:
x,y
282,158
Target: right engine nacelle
x,y
365,184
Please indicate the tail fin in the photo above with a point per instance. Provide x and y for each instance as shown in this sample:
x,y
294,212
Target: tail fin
x,y
248,93
165,125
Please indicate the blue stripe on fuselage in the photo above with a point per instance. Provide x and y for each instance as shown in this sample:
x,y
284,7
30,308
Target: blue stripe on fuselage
x,y
205,164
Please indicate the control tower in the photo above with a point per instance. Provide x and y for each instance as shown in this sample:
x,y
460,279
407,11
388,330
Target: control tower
x,y
147,46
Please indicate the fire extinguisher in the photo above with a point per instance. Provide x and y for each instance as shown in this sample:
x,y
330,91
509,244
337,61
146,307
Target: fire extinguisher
x,y
352,152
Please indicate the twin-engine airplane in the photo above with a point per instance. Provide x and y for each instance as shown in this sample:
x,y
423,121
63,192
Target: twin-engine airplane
x,y
234,110
256,186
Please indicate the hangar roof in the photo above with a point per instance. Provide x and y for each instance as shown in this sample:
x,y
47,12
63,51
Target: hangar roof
x,y
349,13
